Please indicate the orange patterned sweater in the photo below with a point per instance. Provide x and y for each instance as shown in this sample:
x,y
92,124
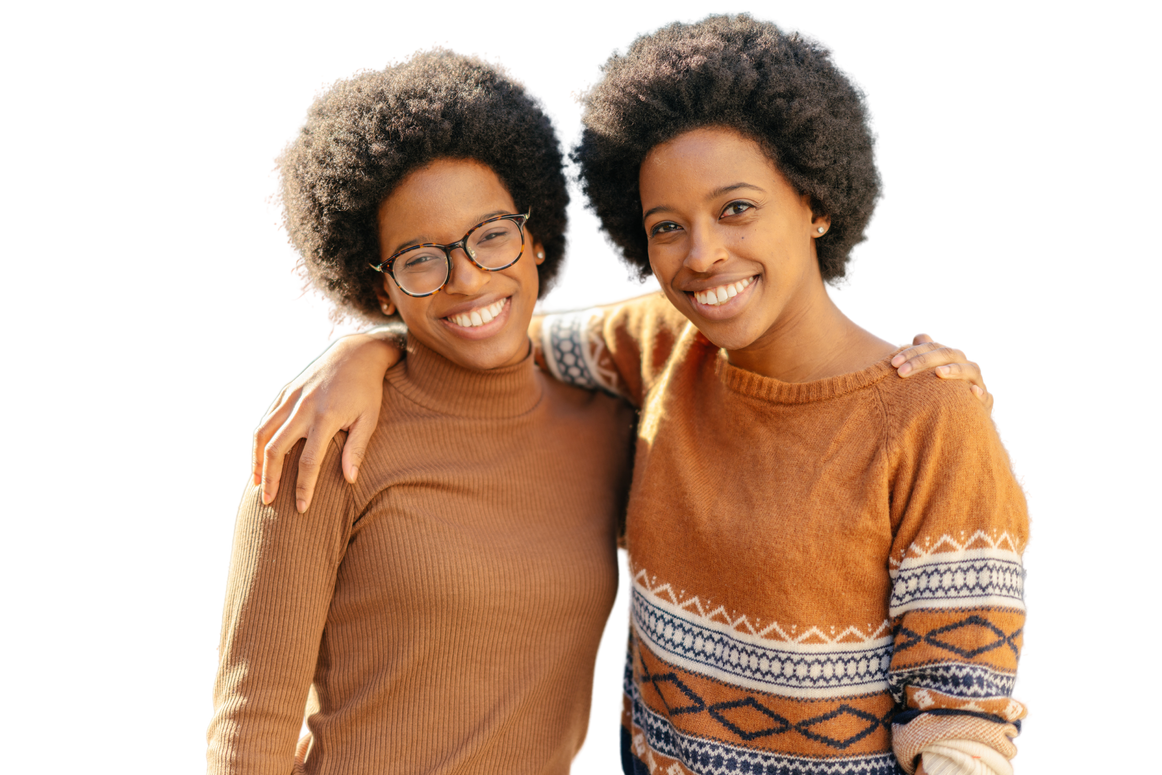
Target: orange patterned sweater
x,y
827,576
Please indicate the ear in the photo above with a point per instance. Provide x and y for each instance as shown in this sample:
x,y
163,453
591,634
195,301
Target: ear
x,y
386,305
538,252
820,225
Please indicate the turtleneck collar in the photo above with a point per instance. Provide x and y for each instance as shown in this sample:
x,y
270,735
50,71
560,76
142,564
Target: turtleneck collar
x,y
431,380
779,392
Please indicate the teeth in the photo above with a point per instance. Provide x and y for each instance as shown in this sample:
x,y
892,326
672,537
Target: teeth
x,y
715,296
478,317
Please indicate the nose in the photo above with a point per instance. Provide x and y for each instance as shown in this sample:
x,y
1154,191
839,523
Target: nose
x,y
706,249
466,278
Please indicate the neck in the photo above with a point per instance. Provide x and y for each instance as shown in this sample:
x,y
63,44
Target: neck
x,y
812,340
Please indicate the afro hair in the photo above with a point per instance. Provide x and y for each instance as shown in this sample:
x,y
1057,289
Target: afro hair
x,y
782,90
366,134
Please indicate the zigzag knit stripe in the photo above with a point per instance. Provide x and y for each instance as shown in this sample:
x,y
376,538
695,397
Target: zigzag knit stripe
x,y
798,670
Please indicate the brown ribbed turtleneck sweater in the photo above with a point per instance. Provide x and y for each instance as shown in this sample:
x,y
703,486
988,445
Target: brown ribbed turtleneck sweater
x,y
444,612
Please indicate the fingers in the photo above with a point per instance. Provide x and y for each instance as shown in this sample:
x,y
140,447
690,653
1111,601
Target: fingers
x,y
271,472
925,356
947,362
275,417
358,437
275,451
309,464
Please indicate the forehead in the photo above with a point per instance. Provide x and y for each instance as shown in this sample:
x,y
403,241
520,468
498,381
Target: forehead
x,y
442,200
703,158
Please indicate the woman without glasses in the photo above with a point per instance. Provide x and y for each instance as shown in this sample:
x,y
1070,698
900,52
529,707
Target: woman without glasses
x,y
826,559
795,507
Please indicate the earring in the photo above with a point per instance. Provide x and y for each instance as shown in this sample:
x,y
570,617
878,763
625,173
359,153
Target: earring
x,y
540,254
821,229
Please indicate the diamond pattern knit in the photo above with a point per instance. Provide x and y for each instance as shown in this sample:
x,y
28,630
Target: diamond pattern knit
x,y
826,576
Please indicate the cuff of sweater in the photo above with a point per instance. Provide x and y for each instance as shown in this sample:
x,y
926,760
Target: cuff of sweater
x,y
910,740
964,757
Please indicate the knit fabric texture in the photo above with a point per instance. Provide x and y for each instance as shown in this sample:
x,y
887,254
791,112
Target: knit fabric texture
x,y
442,615
827,576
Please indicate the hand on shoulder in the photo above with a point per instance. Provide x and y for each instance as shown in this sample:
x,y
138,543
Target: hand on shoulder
x,y
341,390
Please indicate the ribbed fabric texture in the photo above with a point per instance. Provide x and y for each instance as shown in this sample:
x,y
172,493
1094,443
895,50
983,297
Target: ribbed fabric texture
x,y
825,575
964,757
443,613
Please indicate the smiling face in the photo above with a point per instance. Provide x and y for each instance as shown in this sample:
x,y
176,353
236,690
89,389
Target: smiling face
x,y
479,319
730,240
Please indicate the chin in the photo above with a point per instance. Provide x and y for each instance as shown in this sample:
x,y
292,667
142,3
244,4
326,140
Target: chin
x,y
490,357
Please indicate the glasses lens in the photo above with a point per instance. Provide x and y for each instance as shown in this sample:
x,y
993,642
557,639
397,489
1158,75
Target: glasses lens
x,y
422,270
495,245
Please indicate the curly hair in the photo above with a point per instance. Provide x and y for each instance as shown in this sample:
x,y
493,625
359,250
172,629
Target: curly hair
x,y
779,89
366,134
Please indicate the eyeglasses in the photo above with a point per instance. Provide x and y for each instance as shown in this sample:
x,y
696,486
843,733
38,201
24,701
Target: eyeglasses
x,y
493,245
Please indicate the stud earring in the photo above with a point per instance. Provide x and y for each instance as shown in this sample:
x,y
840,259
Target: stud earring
x,y
540,254
821,229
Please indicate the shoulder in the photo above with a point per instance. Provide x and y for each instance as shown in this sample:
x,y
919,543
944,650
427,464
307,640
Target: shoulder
x,y
593,405
278,529
331,487
654,309
940,423
926,417
927,400
643,310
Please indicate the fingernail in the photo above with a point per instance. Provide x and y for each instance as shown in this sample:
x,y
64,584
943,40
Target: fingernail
x,y
905,369
354,473
266,499
302,506
943,370
898,359
976,391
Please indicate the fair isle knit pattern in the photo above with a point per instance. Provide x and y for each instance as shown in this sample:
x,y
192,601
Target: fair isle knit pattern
x,y
441,615
826,576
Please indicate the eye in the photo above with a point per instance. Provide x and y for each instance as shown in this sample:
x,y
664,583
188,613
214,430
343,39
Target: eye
x,y
664,227
494,233
420,259
736,208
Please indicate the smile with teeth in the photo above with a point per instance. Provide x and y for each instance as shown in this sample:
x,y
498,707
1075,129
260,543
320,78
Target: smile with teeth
x,y
478,317
714,296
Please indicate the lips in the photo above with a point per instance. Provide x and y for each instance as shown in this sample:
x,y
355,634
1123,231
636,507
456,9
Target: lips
x,y
723,301
479,316
721,294
479,319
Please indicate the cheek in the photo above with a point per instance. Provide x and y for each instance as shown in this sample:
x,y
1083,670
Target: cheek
x,y
662,265
413,312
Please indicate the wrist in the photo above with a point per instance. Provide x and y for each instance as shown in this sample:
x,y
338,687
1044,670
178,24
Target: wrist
x,y
370,349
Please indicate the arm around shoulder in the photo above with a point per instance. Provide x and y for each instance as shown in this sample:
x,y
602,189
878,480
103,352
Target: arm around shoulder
x,y
342,389
617,348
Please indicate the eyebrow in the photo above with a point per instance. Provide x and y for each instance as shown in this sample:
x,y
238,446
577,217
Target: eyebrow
x,y
712,195
422,239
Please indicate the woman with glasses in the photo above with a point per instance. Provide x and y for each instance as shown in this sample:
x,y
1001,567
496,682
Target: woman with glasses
x,y
443,614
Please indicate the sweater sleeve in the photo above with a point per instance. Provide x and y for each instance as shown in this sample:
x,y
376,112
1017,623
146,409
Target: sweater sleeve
x,y
960,525
620,348
282,576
